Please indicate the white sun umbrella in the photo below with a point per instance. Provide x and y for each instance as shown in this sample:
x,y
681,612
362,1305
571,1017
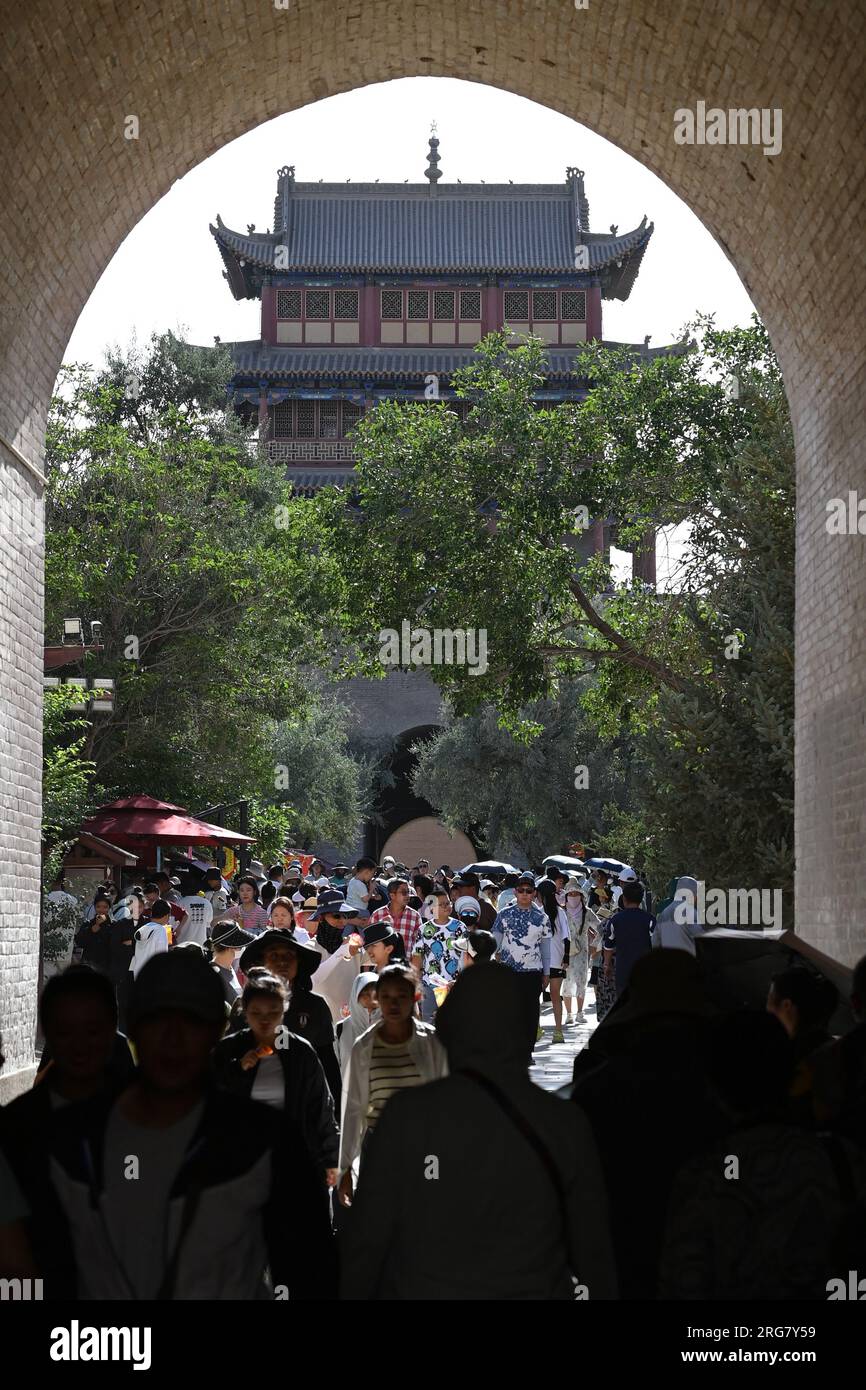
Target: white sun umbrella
x,y
490,866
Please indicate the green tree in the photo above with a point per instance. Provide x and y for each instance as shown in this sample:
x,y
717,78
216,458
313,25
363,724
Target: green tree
x,y
327,786
526,797
478,524
167,524
67,777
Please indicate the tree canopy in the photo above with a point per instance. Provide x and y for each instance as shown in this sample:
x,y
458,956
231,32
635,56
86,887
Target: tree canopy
x,y
478,525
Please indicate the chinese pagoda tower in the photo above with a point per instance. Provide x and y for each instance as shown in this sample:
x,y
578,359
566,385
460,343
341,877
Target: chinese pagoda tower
x,y
368,289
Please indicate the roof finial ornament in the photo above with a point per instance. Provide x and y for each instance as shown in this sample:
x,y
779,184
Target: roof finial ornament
x,y
432,172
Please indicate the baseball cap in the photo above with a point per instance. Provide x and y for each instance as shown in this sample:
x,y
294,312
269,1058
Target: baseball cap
x,y
177,980
627,875
526,877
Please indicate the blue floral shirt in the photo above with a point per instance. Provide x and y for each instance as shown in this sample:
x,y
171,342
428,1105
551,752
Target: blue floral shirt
x,y
523,937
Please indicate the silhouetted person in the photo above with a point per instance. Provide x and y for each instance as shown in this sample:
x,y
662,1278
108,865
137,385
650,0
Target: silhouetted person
x,y
758,1215
804,1003
176,1190
839,1080
84,1057
644,1091
479,1185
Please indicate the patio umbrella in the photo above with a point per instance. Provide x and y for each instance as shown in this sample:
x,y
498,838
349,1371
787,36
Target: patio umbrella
x,y
490,867
142,822
610,866
562,861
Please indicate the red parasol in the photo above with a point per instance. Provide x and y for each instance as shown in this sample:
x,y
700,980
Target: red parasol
x,y
138,818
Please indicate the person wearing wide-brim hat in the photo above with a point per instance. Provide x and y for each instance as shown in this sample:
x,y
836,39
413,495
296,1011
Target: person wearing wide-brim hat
x,y
304,911
308,1014
330,919
226,943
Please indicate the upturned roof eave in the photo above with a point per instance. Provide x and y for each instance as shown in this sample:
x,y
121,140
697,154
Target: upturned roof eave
x,y
258,252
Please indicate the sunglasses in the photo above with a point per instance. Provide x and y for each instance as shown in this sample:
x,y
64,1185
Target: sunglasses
x,y
524,890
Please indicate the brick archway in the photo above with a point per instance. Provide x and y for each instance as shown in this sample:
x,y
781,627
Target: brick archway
x,y
198,76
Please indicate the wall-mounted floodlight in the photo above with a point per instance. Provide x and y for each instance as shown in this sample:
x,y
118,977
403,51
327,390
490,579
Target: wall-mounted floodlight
x,y
73,631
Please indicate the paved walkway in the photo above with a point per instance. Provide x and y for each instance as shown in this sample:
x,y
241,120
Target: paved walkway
x,y
552,1062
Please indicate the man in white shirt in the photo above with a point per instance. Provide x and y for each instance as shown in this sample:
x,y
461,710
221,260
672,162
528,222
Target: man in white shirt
x,y
216,893
198,920
151,938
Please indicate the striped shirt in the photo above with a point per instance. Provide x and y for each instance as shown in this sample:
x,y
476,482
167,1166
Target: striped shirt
x,y
253,918
392,1068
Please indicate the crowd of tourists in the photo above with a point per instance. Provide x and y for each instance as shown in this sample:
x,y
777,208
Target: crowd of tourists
x,y
311,1082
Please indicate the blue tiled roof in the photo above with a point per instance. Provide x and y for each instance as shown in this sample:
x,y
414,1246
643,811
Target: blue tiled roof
x,y
399,229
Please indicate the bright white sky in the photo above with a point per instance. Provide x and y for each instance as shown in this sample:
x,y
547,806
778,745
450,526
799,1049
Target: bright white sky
x,y
168,272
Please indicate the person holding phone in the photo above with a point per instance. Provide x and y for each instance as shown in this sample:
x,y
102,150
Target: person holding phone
x,y
93,939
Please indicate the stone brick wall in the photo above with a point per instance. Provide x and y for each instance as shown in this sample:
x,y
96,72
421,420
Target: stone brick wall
x,y
21,558
197,76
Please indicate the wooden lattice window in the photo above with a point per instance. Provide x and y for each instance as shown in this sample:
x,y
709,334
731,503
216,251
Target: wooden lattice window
x,y
288,304
544,305
283,420
443,304
329,420
318,304
351,415
392,304
306,419
345,304
470,304
516,306
573,304
419,304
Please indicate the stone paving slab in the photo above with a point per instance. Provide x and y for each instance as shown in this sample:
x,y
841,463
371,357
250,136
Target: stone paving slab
x,y
552,1063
